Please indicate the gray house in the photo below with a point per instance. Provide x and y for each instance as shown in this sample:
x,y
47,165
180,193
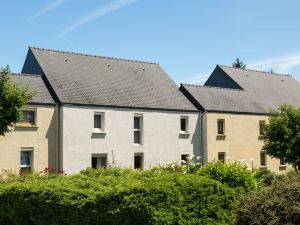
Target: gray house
x,y
110,110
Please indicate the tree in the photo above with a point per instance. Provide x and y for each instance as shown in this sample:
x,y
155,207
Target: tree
x,y
282,135
272,71
238,64
12,99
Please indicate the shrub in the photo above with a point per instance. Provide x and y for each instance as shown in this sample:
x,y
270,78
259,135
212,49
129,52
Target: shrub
x,y
264,177
116,196
234,175
277,204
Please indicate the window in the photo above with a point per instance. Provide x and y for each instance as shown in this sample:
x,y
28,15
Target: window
x,y
138,160
184,159
184,124
98,122
282,162
26,160
221,156
137,129
27,118
262,124
263,158
221,126
99,161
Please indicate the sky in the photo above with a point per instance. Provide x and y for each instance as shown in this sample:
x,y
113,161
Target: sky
x,y
188,38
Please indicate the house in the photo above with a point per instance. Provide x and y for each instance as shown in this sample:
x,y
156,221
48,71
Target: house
x,y
32,143
234,105
115,111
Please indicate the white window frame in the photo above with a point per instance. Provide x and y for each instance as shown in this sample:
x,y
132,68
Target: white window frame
x,y
102,128
140,116
186,131
27,149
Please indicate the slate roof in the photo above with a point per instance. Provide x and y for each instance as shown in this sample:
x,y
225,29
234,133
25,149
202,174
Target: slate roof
x,y
36,84
94,80
252,91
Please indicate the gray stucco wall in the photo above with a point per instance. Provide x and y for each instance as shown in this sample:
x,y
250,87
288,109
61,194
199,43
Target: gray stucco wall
x,y
162,141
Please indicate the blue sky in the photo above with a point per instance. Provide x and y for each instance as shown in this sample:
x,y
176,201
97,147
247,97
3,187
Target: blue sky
x,y
187,37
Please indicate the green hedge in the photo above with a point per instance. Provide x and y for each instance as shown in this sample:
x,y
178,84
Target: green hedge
x,y
277,204
116,196
234,175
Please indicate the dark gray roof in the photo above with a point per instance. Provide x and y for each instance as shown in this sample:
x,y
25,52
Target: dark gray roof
x,y
94,80
253,92
36,84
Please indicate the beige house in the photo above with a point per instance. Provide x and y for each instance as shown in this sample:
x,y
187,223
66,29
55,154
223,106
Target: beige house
x,y
234,105
32,144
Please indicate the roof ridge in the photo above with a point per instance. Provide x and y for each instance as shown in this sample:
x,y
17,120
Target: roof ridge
x,y
223,88
90,55
25,74
253,70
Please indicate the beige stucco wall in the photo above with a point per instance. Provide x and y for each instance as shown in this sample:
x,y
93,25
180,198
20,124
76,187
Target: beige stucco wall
x,y
41,139
242,141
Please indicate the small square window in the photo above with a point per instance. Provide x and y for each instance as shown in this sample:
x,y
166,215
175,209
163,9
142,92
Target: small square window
x,y
263,158
27,118
137,129
184,158
221,126
99,161
184,124
26,160
221,156
138,160
282,162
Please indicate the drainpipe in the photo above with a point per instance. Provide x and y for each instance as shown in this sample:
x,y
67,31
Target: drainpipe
x,y
201,137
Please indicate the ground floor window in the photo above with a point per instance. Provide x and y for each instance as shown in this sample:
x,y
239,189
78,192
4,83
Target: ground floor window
x,y
263,158
26,159
184,158
138,160
221,156
282,162
99,161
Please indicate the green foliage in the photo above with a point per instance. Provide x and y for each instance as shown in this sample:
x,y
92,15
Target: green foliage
x,y
264,177
116,196
282,135
234,175
277,204
12,98
238,64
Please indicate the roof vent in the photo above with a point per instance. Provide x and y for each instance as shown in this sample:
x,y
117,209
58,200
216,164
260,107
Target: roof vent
x,y
108,65
143,69
246,75
282,80
66,60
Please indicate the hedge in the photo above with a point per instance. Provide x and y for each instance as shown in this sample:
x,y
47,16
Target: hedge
x,y
116,197
277,204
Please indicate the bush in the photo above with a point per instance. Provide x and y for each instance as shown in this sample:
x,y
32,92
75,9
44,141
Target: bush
x,y
234,175
116,196
277,204
264,177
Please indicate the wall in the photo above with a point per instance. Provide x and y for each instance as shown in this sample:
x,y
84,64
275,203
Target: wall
x,y
161,139
41,138
242,141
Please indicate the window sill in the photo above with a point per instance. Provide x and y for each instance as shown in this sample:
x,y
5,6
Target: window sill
x,y
184,132
98,131
263,167
137,145
282,166
26,126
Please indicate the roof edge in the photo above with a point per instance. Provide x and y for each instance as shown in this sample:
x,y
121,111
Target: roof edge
x,y
91,55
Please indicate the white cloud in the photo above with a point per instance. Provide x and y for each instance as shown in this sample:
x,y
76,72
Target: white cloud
x,y
280,64
51,6
102,11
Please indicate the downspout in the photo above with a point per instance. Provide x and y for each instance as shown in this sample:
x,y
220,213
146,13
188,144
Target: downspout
x,y
201,137
58,138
